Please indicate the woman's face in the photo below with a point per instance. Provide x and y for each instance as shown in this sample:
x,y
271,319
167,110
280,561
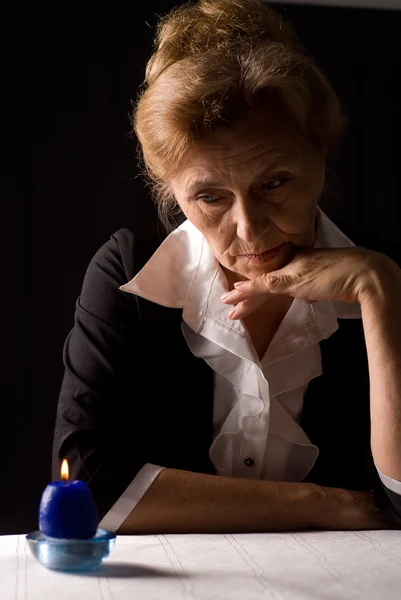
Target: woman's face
x,y
250,190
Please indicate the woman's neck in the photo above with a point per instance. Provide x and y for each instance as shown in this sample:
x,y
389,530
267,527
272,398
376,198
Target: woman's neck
x,y
263,323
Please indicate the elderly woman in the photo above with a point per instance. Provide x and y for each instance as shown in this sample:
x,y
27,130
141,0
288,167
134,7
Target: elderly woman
x,y
245,373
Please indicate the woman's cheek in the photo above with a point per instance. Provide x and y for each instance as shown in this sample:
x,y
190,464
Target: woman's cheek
x,y
296,217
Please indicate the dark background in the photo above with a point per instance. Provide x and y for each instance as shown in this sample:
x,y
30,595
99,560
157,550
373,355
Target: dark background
x,y
71,179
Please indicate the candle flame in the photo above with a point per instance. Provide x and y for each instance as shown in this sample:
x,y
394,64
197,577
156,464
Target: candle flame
x,y
64,470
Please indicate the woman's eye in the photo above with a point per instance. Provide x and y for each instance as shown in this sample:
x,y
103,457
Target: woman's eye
x,y
274,184
208,198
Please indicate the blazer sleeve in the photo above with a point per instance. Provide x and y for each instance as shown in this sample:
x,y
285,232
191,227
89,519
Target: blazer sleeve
x,y
95,421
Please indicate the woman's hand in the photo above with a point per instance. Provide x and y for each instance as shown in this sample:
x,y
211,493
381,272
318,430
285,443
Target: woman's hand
x,y
348,509
329,274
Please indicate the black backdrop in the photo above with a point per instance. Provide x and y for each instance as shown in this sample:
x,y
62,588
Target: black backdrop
x,y
70,180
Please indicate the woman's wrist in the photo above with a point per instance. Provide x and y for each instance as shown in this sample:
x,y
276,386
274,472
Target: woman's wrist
x,y
343,510
382,281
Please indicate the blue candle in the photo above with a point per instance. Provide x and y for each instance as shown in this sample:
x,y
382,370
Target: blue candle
x,y
68,509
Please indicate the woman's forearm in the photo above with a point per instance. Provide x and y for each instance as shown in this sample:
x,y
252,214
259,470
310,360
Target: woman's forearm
x,y
183,502
186,502
381,315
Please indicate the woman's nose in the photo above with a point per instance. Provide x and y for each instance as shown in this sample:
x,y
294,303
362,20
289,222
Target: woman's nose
x,y
252,222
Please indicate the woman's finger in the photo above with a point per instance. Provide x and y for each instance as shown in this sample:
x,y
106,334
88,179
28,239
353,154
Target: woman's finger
x,y
237,296
265,284
245,308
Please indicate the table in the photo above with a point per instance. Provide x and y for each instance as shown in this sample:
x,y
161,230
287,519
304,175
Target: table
x,y
281,566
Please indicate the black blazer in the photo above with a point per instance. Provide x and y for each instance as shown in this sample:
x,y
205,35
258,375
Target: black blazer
x,y
133,393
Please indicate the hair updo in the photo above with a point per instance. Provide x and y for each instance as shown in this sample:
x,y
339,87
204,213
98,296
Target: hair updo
x,y
213,60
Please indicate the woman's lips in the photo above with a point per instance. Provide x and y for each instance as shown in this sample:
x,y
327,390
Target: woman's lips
x,y
265,256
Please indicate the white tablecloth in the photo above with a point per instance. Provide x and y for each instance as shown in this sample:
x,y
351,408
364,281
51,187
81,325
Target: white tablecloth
x,y
309,566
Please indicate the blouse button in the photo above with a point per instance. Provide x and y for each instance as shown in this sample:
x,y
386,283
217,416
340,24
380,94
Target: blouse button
x,y
249,462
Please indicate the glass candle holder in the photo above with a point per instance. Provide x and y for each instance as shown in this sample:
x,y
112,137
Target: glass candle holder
x,y
69,554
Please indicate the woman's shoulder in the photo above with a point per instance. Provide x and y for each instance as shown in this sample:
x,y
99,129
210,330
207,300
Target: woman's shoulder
x,y
115,263
126,251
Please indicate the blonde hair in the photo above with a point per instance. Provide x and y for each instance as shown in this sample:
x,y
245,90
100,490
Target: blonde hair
x,y
213,60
